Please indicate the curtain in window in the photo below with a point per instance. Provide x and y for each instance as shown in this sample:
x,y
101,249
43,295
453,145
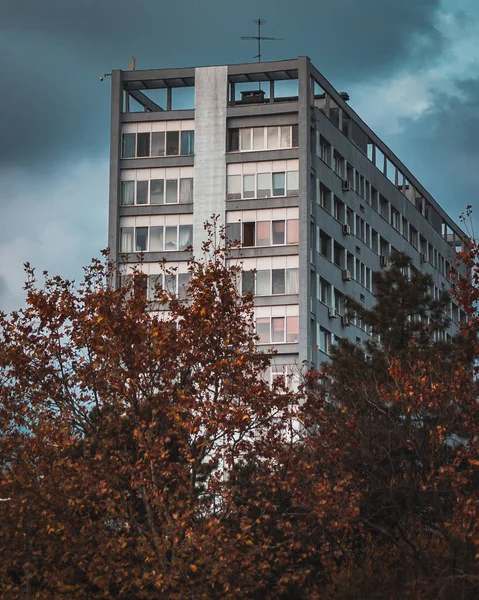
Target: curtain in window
x,y
126,239
293,232
277,326
127,193
187,142
156,239
186,236
292,329
292,281
186,190
263,233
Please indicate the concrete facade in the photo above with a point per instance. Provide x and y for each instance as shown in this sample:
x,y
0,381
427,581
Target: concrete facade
x,y
317,199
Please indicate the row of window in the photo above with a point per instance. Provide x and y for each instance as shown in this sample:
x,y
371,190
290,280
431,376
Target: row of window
x,y
270,282
263,185
173,283
378,202
277,330
265,233
155,238
263,138
157,191
158,143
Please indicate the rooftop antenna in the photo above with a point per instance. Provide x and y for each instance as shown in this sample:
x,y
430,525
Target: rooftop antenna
x,y
260,37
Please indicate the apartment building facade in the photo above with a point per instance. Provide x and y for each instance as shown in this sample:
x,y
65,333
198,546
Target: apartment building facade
x,y
317,201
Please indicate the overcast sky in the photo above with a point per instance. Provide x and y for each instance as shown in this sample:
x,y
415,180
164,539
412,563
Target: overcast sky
x,y
410,67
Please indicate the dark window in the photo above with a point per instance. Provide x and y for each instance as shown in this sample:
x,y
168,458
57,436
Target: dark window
x,y
128,148
172,143
143,144
183,281
141,241
233,140
249,234
142,192
278,281
295,136
278,184
233,232
248,282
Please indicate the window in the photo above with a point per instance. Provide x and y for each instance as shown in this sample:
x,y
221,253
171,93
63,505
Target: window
x,y
141,239
143,145
176,284
263,283
271,282
234,187
127,193
248,282
171,191
277,330
186,190
292,330
278,232
278,184
267,233
158,143
264,185
249,186
129,145
157,190
263,138
324,340
156,239
278,281
249,234
263,330
187,143
263,233
142,192
126,239
292,182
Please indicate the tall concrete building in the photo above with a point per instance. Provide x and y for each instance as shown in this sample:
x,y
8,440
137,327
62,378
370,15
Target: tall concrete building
x,y
317,200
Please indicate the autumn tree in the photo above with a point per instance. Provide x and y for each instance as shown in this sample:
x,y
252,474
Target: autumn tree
x,y
128,429
405,406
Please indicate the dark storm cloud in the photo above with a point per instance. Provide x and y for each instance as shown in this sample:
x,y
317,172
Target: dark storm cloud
x,y
442,148
53,107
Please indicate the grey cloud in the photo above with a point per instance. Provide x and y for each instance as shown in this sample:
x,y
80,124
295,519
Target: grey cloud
x,y
53,107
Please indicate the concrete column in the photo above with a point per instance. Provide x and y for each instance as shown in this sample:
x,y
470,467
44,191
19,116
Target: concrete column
x,y
115,154
211,98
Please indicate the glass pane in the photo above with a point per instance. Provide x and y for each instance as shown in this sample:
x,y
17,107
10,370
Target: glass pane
x,y
264,185
249,234
156,239
158,143
278,281
233,232
172,143
141,241
292,281
234,187
258,138
285,137
186,236
245,139
170,283
248,186
292,334
295,136
247,283
278,232
186,190
171,191
128,149
263,330
234,140
183,281
143,144
278,184
126,239
171,238
272,133
293,232
127,193
154,282
157,190
277,329
263,283
187,142
142,192
264,233
292,182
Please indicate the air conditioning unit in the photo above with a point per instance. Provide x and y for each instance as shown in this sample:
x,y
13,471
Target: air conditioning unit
x,y
345,322
346,185
332,312
423,258
383,261
347,229
346,275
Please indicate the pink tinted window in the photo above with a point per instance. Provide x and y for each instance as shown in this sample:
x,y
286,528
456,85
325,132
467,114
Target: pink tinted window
x,y
293,232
